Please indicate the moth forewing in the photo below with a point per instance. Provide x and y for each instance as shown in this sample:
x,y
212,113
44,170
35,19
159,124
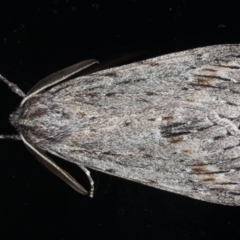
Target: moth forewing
x,y
169,122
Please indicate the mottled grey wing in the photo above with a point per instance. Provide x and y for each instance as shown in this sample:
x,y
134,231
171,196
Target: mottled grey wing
x,y
170,122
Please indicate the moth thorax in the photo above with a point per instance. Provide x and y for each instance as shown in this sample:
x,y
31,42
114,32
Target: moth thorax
x,y
42,122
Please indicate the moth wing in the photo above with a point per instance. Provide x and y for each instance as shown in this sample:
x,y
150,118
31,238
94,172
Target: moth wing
x,y
115,61
58,77
171,122
54,168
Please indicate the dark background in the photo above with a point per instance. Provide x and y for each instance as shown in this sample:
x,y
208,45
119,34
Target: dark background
x,y
41,37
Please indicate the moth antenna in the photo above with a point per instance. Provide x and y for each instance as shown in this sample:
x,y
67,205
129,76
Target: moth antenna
x,y
13,87
13,137
87,172
20,93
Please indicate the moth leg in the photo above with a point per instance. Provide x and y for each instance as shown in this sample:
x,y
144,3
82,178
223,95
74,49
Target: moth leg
x,y
54,168
13,137
87,172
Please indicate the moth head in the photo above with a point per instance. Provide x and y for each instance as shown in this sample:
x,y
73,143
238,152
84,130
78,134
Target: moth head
x,y
15,116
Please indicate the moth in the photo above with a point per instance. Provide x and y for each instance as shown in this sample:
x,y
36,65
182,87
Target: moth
x,y
170,122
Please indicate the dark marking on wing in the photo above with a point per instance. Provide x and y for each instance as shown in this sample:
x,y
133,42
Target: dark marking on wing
x,y
208,86
111,153
204,170
226,66
234,193
218,137
171,134
231,147
110,94
208,180
110,170
110,74
190,100
93,88
91,94
143,100
131,81
172,130
209,70
199,55
204,80
147,155
177,140
233,56
205,128
152,64
213,76
150,93
227,183
124,82
232,104
152,119
200,170
167,118
127,123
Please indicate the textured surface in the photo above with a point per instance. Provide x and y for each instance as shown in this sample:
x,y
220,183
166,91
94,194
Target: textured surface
x,y
169,122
